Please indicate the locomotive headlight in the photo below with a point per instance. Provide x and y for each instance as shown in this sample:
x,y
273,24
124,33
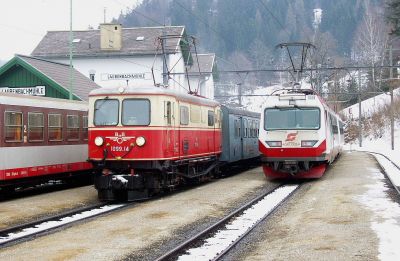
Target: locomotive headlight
x,y
274,143
308,143
140,141
98,141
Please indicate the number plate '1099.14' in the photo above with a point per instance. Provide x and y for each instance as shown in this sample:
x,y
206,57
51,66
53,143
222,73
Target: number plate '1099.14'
x,y
120,148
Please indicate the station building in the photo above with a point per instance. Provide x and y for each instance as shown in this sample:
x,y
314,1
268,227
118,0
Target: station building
x,y
119,57
38,77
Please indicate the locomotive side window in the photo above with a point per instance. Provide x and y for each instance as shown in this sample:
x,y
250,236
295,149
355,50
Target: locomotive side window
x,y
55,127
168,112
72,127
136,112
35,126
292,118
334,124
13,126
184,115
85,127
106,112
211,117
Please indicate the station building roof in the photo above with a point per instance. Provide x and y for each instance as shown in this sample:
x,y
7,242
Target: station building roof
x,y
87,43
25,71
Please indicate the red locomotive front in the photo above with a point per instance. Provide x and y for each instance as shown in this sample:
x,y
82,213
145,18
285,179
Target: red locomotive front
x,y
146,139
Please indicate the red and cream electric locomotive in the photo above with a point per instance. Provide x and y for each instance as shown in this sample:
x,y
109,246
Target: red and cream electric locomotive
x,y
146,139
299,135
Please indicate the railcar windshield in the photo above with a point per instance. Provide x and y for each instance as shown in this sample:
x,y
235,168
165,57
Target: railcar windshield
x,y
292,118
106,112
135,112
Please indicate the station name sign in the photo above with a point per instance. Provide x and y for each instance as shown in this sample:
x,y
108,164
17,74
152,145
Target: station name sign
x,y
124,76
33,91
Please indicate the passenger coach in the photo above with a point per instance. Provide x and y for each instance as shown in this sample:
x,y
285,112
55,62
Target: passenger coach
x,y
299,135
41,139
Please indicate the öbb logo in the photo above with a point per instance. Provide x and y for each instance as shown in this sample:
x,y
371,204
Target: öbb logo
x,y
291,136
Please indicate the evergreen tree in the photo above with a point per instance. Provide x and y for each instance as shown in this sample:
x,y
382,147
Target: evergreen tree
x,y
393,15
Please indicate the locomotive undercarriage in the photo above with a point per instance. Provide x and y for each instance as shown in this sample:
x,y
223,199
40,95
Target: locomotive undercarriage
x,y
123,180
293,167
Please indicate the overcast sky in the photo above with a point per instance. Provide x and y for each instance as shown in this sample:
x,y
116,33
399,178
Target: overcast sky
x,y
23,23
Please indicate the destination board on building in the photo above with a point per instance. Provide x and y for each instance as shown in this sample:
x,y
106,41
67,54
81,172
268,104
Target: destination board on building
x,y
123,76
33,91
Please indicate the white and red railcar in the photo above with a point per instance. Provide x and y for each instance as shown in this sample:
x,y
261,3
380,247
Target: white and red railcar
x,y
41,139
146,139
299,135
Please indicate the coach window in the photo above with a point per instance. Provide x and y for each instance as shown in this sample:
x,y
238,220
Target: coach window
x,y
136,112
13,126
85,127
72,127
237,129
211,117
106,112
245,127
55,127
184,117
35,127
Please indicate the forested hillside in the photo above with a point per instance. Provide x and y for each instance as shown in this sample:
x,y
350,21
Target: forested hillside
x,y
229,26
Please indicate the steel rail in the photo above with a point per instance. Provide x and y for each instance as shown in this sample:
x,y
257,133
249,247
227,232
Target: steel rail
x,y
181,247
53,217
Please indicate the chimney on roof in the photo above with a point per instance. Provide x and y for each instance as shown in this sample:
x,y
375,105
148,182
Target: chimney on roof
x,y
110,37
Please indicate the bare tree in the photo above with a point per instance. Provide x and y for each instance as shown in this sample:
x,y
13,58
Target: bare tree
x,y
371,38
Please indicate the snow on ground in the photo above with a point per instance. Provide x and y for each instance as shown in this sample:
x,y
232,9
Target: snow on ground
x,y
370,105
386,216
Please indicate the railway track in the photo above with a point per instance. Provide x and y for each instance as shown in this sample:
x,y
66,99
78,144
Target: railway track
x,y
42,226
215,241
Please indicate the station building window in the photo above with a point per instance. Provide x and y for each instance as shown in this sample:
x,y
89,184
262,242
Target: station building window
x,y
72,127
55,127
13,126
35,126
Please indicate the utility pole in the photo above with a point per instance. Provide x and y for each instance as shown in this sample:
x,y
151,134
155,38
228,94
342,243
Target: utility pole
x,y
359,110
165,68
71,37
391,97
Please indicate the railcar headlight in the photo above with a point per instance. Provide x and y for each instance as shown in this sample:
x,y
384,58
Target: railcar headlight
x,y
308,143
98,141
274,143
140,141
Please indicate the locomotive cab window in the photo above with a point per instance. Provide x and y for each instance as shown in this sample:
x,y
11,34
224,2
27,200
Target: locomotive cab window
x,y
136,112
106,112
292,118
55,127
13,126
72,127
35,127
